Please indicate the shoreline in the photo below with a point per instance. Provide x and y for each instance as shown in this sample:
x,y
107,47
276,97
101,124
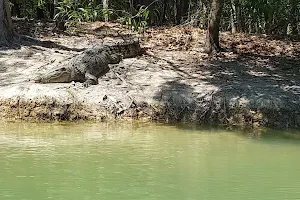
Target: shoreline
x,y
170,83
216,110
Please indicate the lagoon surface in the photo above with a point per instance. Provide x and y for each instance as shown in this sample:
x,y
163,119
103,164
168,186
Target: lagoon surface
x,y
144,161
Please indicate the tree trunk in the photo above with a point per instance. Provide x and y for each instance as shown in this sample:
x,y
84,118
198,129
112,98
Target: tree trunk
x,y
15,10
184,9
180,10
6,28
240,16
233,17
55,10
163,19
175,10
294,17
105,7
212,43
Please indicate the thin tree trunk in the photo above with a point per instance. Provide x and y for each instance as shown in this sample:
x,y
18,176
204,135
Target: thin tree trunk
x,y
295,17
184,9
55,4
15,9
175,10
250,21
131,6
241,17
189,10
269,16
233,17
178,11
105,7
212,43
163,19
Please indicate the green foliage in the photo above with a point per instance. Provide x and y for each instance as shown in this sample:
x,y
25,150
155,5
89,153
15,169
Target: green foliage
x,y
29,8
40,3
262,16
138,22
252,16
79,11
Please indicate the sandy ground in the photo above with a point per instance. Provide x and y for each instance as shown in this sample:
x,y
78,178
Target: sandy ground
x,y
256,82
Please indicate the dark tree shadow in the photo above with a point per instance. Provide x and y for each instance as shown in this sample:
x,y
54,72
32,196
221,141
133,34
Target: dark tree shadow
x,y
178,101
24,40
252,88
29,32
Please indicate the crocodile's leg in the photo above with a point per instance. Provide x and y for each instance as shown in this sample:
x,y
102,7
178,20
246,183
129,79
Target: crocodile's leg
x,y
90,79
93,80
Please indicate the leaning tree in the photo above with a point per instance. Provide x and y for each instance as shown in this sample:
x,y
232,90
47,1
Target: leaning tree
x,y
6,28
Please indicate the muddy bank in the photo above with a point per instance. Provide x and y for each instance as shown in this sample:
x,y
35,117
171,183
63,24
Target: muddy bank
x,y
166,83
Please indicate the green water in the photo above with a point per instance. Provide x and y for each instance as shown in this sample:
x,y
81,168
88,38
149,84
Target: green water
x,y
144,162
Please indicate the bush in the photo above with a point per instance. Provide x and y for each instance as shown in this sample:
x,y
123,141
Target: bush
x,y
79,11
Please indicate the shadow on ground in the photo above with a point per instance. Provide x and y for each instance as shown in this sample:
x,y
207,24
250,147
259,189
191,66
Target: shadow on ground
x,y
252,90
30,32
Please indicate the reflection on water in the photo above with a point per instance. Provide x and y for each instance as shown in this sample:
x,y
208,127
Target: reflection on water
x,y
144,161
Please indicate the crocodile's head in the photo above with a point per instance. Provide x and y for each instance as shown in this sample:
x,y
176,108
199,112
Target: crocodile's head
x,y
114,58
60,75
126,49
130,48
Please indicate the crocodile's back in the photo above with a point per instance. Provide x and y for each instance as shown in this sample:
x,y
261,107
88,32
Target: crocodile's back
x,y
92,63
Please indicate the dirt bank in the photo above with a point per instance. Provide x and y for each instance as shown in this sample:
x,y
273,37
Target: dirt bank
x,y
255,83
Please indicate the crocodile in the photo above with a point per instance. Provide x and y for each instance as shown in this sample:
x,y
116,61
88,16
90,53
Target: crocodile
x,y
91,64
